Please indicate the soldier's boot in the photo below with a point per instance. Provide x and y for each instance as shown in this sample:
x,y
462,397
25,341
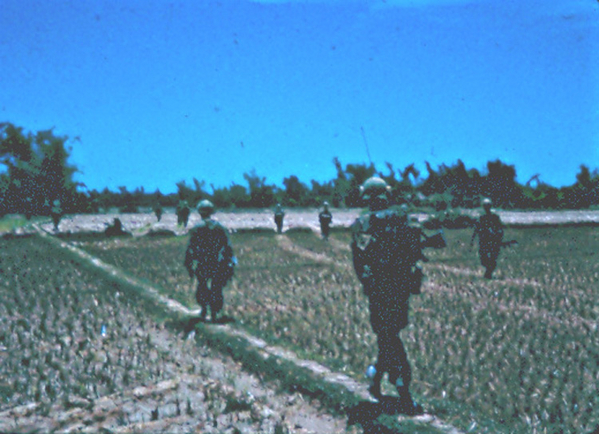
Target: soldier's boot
x,y
214,315
203,313
407,403
375,386
489,271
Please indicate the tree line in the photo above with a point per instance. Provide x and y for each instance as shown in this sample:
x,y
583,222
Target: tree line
x,y
37,172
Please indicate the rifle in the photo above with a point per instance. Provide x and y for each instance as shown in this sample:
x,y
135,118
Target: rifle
x,y
436,241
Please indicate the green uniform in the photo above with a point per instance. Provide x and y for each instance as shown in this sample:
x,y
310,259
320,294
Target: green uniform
x,y
158,211
325,218
279,215
183,212
386,251
209,257
490,236
56,214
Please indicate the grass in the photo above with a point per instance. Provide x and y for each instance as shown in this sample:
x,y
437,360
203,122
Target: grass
x,y
515,354
12,222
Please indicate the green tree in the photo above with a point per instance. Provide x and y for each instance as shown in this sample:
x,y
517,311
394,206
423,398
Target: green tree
x,y
36,172
261,194
296,192
500,185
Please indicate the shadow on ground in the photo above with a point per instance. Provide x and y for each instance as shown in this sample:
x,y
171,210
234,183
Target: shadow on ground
x,y
190,324
367,413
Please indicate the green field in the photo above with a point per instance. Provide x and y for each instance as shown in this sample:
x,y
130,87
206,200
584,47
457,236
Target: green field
x,y
519,353
80,352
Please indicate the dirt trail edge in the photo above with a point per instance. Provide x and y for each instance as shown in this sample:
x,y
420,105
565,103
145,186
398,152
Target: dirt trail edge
x,y
429,423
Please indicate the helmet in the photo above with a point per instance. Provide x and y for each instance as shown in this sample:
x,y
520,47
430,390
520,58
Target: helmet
x,y
374,187
325,204
205,206
487,202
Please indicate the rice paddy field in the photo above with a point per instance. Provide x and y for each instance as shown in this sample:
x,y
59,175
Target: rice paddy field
x,y
519,353
516,354
80,353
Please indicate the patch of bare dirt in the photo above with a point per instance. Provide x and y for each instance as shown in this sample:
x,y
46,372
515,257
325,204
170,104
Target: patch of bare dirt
x,y
140,224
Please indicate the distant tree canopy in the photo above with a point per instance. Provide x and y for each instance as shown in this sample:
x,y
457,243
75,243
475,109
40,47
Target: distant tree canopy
x,y
37,171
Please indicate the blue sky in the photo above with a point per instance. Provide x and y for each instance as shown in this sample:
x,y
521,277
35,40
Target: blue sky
x,y
163,91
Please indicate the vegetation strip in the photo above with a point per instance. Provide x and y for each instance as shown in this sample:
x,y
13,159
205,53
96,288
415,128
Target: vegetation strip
x,y
356,389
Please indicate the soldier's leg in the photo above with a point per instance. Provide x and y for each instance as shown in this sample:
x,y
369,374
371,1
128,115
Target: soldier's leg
x,y
383,364
490,261
375,385
216,297
202,296
401,376
485,260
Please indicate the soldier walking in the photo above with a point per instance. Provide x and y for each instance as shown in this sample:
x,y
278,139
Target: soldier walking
x,y
325,218
183,211
386,251
209,257
158,210
56,213
279,215
489,230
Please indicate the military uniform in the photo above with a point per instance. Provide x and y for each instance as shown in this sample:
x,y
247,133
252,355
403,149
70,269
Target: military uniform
x,y
325,218
209,257
183,212
386,251
489,230
56,213
279,215
158,210
116,229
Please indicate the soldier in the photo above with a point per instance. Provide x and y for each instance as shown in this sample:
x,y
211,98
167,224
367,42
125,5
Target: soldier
x,y
116,229
279,215
209,257
56,213
183,212
158,210
325,218
386,251
490,235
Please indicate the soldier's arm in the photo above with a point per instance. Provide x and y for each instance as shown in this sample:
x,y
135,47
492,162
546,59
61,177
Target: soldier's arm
x,y
189,261
361,266
499,228
189,256
225,242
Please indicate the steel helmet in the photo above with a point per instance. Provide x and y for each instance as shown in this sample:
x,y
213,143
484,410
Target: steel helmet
x,y
487,202
374,187
205,206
